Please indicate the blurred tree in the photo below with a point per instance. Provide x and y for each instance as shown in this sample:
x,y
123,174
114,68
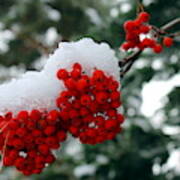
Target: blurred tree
x,y
141,147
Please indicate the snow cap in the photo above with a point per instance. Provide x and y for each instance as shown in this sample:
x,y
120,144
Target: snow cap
x,y
39,90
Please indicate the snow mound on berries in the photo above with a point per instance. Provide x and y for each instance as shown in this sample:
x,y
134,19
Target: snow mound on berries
x,y
39,90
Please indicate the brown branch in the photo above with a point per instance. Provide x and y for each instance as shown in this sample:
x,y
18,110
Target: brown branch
x,y
140,7
33,43
127,62
129,58
173,35
163,30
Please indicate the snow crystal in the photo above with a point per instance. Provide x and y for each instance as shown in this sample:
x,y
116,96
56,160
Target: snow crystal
x,y
40,89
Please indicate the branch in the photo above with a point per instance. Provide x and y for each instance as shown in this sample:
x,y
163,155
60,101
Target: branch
x,y
129,58
128,61
171,24
173,35
32,43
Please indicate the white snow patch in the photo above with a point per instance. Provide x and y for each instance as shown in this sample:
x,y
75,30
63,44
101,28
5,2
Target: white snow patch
x,y
40,89
84,170
51,36
153,93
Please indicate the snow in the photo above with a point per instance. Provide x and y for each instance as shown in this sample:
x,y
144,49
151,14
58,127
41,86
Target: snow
x,y
40,89
154,92
84,170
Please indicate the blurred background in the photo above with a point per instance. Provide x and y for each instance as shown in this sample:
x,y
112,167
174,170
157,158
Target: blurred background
x,y
149,147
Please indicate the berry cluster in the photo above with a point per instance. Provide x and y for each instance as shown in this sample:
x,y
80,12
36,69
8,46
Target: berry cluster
x,y
27,140
89,105
135,28
87,109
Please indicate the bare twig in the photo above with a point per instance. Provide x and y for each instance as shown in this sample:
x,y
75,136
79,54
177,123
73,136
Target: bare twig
x,y
129,58
140,7
31,42
128,62
173,35
171,24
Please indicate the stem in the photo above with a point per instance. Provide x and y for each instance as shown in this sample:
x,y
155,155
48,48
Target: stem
x,y
171,24
173,35
130,58
128,67
4,150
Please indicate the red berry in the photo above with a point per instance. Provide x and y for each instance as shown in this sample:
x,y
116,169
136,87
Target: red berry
x,y
120,118
115,95
73,114
18,143
50,158
42,123
62,74
35,115
98,76
21,132
32,154
39,140
7,161
86,100
36,133
129,25
102,97
27,173
31,125
115,104
70,83
84,111
126,46
144,17
65,94
157,48
22,115
74,131
113,85
111,112
52,116
145,29
77,66
8,115
49,130
51,140
13,154
110,124
13,124
75,74
82,84
19,163
147,42
43,149
167,41
61,135
64,115
55,146
37,171
39,159
130,37
29,139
